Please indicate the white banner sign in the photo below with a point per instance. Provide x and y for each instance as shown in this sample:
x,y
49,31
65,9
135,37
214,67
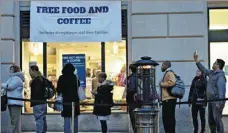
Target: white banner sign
x,y
75,21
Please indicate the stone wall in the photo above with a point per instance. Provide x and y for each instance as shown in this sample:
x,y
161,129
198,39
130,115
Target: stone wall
x,y
169,30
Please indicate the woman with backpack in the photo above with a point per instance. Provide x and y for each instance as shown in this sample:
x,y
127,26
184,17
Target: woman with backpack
x,y
68,85
14,88
103,95
198,93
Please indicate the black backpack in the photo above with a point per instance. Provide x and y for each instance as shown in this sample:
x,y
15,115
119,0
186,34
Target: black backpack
x,y
4,100
49,89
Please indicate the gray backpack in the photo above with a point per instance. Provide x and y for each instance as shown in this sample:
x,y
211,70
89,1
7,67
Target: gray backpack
x,y
178,90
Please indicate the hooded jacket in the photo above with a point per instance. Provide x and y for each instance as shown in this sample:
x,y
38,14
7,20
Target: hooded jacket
x,y
104,96
68,85
14,87
216,86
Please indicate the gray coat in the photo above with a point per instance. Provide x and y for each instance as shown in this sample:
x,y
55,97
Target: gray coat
x,y
216,86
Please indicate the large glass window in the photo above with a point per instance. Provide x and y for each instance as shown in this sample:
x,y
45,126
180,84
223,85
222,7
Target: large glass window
x,y
32,53
115,66
92,51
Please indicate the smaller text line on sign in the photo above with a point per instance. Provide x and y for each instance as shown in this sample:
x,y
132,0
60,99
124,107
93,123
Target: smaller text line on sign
x,y
70,21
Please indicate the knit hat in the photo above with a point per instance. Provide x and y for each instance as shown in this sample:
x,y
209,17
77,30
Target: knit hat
x,y
167,64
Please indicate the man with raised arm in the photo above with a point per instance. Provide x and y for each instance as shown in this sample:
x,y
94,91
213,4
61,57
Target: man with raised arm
x,y
216,89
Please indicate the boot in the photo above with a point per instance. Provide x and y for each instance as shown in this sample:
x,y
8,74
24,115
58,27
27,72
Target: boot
x,y
195,131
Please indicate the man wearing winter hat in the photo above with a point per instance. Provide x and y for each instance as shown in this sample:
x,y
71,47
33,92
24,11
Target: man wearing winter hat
x,y
168,101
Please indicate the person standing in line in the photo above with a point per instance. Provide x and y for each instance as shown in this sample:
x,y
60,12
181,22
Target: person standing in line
x,y
216,89
197,93
168,101
103,95
14,88
68,85
37,93
131,91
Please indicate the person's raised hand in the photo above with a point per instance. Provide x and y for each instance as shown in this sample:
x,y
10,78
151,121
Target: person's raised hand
x,y
196,57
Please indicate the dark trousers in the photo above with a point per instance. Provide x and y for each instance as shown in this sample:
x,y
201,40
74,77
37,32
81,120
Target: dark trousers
x,y
132,117
201,110
168,115
215,118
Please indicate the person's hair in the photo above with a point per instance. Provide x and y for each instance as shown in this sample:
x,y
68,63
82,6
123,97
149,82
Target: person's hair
x,y
68,69
132,67
167,64
221,63
103,75
15,68
34,68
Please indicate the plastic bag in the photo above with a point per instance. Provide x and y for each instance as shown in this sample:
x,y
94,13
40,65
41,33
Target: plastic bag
x,y
58,106
81,94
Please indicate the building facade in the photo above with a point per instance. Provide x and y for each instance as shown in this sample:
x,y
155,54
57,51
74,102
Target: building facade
x,y
163,30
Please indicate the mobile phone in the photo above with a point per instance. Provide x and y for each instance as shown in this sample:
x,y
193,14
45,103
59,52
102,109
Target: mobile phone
x,y
196,52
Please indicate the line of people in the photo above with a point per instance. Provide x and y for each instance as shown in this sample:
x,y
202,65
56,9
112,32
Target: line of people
x,y
201,89
68,84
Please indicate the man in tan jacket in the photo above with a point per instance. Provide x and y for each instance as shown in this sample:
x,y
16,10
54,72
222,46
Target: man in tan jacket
x,y
168,101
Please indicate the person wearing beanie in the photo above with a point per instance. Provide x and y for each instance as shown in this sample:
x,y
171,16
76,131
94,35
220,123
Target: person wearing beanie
x,y
168,101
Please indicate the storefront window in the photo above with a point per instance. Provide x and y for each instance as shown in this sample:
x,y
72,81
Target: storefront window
x,y
115,66
32,53
92,52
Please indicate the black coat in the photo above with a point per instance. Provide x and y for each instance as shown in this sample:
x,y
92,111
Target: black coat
x,y
104,96
198,89
37,91
68,86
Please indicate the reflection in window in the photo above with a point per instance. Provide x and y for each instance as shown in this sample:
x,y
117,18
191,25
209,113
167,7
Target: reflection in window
x,y
92,53
115,63
31,53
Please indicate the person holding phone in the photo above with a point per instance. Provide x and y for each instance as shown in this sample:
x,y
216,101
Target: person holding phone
x,y
216,89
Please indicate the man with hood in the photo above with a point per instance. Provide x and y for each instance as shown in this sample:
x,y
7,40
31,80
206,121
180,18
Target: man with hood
x,y
14,87
168,101
103,95
216,89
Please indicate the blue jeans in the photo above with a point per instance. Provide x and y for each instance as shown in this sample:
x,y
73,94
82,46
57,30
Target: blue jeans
x,y
215,118
40,112
67,124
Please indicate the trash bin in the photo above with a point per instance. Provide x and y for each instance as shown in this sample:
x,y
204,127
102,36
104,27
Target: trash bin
x,y
147,120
